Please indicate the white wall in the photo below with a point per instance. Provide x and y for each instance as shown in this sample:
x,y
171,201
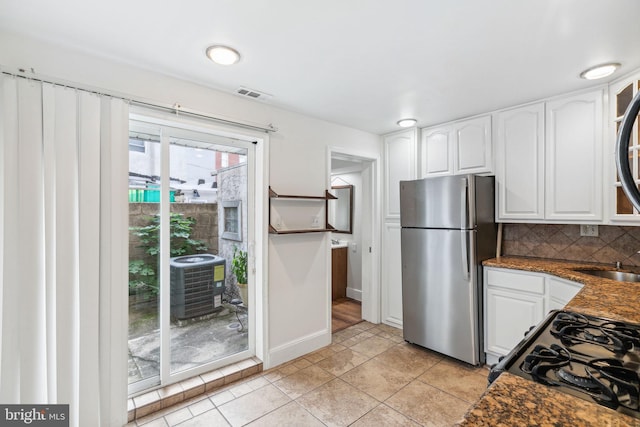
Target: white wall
x,y
297,288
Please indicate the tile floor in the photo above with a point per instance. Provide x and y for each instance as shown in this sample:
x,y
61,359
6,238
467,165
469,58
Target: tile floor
x,y
368,377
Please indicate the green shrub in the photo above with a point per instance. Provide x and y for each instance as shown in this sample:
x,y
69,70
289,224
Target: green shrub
x,y
143,273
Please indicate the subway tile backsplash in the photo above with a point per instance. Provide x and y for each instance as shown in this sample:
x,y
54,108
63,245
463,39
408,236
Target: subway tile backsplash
x,y
560,241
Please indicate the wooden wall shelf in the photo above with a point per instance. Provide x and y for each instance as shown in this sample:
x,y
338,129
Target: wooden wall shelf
x,y
273,196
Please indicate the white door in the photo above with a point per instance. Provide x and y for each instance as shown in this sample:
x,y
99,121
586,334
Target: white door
x,y
191,194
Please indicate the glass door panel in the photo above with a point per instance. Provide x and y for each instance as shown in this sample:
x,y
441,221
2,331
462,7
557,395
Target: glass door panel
x,y
205,325
189,201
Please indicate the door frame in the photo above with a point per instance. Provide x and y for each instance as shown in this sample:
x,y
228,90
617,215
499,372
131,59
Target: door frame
x,y
257,220
370,235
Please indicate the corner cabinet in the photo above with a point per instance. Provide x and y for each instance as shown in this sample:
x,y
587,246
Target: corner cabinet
x,y
458,148
295,214
516,300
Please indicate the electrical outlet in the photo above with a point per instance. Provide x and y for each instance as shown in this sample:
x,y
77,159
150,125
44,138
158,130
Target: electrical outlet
x,y
589,230
315,221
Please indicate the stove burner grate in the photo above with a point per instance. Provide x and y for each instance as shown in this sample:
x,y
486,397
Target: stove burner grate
x,y
574,329
606,380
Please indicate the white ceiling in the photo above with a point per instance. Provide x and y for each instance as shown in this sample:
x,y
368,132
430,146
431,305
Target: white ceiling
x,y
361,63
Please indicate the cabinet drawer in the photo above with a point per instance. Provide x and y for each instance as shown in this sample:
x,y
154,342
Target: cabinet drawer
x,y
508,279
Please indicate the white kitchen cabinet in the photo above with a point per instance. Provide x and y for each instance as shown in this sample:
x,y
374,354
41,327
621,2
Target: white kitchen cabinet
x,y
400,165
520,163
391,283
436,153
457,148
573,160
549,161
514,301
560,292
473,149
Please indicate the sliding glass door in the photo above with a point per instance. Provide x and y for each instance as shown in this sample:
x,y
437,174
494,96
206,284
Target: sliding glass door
x,y
190,199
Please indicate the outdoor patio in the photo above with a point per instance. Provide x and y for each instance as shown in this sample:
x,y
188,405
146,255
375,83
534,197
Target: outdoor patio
x,y
193,342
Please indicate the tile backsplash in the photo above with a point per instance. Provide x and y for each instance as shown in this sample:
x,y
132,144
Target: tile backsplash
x,y
560,241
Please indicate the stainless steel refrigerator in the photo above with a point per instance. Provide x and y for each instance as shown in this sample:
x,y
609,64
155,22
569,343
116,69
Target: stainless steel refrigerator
x,y
448,229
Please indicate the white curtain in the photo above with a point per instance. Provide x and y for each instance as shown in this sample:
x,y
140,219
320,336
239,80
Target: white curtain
x,y
63,227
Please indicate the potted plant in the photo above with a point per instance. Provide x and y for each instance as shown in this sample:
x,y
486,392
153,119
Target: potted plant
x,y
239,269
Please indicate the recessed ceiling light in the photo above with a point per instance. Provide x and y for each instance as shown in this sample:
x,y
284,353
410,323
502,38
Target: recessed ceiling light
x,y
223,55
407,123
599,71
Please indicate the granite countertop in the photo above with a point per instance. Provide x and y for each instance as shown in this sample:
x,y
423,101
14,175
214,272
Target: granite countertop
x,y
515,401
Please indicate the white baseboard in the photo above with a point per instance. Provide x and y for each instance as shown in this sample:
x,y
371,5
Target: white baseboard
x,y
291,350
355,294
391,321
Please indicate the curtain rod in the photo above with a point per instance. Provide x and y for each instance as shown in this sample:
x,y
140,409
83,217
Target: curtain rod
x,y
176,108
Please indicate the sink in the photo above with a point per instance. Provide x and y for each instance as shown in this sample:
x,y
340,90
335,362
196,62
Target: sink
x,y
621,276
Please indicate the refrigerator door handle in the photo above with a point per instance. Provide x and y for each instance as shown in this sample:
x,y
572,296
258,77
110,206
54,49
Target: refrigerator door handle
x,y
464,203
465,255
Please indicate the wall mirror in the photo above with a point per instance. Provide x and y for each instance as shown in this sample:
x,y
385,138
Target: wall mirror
x,y
341,209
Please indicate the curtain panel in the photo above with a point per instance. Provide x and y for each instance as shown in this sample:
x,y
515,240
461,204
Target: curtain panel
x,y
63,257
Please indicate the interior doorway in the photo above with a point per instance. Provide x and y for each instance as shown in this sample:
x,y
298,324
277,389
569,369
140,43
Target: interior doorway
x,y
353,244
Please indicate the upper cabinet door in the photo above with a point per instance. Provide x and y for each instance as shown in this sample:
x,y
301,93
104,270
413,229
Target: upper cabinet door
x,y
520,163
400,165
436,153
473,148
573,189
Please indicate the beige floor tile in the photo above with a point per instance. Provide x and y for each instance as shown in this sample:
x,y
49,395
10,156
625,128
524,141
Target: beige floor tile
x,y
178,416
201,406
384,416
289,415
343,335
303,381
208,419
357,339
341,362
375,379
428,405
409,359
252,406
373,346
337,403
455,378
222,398
158,422
318,355
240,390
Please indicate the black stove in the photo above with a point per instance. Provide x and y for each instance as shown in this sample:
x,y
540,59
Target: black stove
x,y
588,357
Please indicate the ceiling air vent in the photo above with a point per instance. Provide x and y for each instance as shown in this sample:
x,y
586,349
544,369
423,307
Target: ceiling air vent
x,y
250,93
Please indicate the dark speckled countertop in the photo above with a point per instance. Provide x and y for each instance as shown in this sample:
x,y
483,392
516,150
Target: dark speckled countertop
x,y
515,401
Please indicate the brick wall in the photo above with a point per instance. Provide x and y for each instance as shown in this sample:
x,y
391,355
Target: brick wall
x,y
206,226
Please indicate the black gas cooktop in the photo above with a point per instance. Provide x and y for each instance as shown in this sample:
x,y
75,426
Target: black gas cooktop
x,y
588,357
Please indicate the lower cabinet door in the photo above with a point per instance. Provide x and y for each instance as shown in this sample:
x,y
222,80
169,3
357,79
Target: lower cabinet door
x,y
509,315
